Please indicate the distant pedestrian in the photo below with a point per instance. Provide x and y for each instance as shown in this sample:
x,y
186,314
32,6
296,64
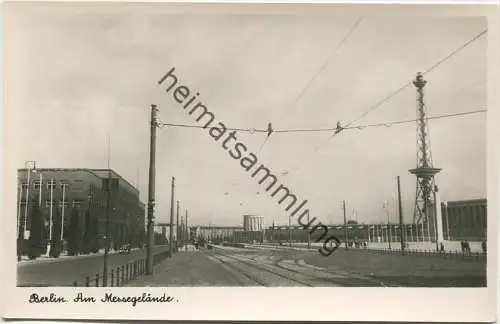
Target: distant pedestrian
x,y
466,247
441,247
483,246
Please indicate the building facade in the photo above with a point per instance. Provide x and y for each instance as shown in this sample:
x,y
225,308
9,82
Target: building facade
x,y
214,233
465,219
253,223
75,202
462,220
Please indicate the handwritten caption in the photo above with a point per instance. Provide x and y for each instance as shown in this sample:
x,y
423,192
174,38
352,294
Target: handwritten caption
x,y
107,298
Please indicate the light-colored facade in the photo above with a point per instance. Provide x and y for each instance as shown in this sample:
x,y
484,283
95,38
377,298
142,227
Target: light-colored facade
x,y
215,233
253,223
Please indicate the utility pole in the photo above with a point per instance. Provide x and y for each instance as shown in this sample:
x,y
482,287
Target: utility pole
x,y
171,240
401,226
187,227
177,232
388,232
108,209
345,225
308,233
289,231
151,191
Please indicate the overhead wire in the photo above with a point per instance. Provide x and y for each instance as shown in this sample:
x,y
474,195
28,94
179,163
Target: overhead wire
x,y
323,66
329,130
390,96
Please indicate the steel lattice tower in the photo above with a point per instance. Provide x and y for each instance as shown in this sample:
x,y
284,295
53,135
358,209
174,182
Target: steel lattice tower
x,y
424,200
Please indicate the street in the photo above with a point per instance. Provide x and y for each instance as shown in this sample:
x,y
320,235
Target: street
x,y
268,267
63,272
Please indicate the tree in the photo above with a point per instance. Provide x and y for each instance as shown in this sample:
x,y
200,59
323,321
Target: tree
x,y
56,243
73,233
36,240
94,226
87,236
352,222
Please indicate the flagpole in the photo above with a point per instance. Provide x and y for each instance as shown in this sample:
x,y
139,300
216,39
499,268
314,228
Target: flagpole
x,y
49,245
40,191
62,216
25,232
20,195
108,210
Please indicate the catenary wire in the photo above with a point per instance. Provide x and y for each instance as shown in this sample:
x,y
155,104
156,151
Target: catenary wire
x,y
325,64
393,94
311,81
315,130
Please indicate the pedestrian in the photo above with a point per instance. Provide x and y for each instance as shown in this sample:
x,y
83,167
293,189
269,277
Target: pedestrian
x,y
483,246
442,247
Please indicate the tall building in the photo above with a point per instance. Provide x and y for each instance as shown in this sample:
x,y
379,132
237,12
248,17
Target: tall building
x,y
465,219
78,198
253,223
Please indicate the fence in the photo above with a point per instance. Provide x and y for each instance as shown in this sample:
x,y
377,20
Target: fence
x,y
434,253
415,252
122,274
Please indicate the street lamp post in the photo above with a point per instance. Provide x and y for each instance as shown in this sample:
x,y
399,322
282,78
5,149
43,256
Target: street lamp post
x,y
290,231
63,185
388,232
308,232
26,234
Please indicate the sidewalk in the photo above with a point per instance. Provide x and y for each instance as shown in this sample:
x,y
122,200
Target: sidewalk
x,y
64,257
187,268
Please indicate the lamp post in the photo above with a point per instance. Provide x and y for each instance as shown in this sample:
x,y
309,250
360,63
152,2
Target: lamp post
x,y
290,231
388,232
63,185
26,234
49,243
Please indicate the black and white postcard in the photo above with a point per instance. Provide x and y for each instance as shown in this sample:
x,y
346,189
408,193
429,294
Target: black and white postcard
x,y
250,161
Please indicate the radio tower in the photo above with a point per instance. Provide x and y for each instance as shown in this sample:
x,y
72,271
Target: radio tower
x,y
424,200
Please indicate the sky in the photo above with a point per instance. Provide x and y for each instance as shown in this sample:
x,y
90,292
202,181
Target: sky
x,y
78,73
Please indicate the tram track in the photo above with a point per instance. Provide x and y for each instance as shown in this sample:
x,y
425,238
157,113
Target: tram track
x,y
317,276
260,268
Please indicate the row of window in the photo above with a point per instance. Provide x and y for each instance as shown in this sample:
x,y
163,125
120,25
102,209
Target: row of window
x,y
59,203
468,216
51,184
74,203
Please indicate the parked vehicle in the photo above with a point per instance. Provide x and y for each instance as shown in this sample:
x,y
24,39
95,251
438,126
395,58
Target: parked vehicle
x,y
125,248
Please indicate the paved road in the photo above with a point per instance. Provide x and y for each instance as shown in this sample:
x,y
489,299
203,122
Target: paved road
x,y
63,272
257,267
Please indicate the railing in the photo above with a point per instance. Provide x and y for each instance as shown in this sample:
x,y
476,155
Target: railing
x,y
122,274
443,254
407,251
